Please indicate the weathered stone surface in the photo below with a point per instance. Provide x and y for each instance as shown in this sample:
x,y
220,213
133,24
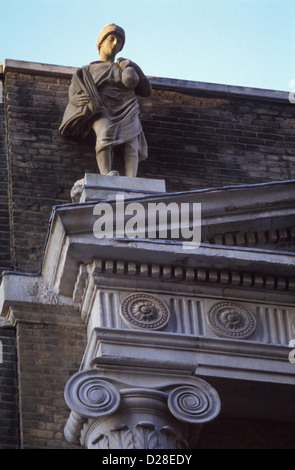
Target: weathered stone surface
x,y
95,187
103,98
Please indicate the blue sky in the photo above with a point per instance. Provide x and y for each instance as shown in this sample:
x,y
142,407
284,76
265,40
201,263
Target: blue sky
x,y
233,42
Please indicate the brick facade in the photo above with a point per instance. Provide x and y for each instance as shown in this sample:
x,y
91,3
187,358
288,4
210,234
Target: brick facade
x,y
5,259
9,412
38,166
198,140
49,352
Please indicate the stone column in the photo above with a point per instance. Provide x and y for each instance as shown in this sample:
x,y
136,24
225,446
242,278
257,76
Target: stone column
x,y
108,414
135,389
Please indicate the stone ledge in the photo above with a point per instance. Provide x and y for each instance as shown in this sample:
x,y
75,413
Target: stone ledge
x,y
96,187
36,68
216,88
227,358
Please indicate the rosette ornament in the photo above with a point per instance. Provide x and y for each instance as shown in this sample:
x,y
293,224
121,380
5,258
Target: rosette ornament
x,y
230,320
145,311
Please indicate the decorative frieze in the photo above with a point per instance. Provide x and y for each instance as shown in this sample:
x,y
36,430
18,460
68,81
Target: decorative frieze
x,y
187,275
282,237
181,312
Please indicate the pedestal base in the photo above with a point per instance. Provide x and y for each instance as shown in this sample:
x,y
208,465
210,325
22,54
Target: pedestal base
x,y
95,187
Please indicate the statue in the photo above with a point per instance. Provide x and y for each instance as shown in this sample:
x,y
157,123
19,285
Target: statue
x,y
103,97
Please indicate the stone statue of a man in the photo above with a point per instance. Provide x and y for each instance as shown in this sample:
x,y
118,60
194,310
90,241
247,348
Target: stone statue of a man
x,y
103,97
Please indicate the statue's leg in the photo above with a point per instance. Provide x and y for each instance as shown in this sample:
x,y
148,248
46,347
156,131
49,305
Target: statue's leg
x,y
104,161
104,156
131,157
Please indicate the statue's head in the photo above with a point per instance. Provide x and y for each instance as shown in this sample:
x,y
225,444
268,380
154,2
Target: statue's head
x,y
111,29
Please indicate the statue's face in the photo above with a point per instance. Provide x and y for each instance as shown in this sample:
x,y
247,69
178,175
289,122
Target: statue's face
x,y
111,46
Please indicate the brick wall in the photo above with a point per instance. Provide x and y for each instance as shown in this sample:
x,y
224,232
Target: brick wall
x,y
5,259
50,350
43,166
9,415
199,139
198,135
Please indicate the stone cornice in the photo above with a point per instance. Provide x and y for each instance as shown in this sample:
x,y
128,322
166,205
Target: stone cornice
x,y
162,83
244,215
168,278
29,298
270,269
37,68
44,314
71,241
238,359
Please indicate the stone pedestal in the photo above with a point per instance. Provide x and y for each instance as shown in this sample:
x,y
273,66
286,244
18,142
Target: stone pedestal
x,y
95,187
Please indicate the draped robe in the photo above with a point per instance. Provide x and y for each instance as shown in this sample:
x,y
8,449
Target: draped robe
x,y
110,101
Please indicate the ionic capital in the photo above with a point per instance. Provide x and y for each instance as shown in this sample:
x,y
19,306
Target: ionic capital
x,y
107,414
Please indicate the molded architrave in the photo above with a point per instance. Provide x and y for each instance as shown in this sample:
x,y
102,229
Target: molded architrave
x,y
162,351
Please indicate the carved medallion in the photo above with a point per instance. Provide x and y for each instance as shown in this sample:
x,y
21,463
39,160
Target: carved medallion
x,y
145,311
231,320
